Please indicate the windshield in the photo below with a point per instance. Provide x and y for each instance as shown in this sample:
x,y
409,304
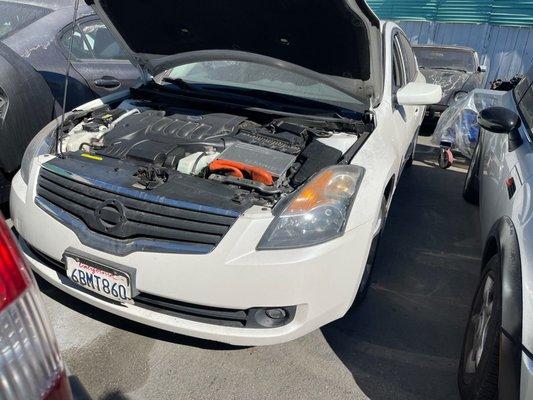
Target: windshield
x,y
248,75
15,16
442,58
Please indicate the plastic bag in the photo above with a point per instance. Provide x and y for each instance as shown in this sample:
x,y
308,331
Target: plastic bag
x,y
458,128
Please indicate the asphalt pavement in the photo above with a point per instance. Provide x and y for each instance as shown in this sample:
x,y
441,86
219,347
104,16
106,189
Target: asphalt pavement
x,y
402,342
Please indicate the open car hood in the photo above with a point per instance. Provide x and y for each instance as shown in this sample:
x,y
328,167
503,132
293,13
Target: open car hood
x,y
337,42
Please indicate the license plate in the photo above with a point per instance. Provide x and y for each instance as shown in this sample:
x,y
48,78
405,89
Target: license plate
x,y
108,282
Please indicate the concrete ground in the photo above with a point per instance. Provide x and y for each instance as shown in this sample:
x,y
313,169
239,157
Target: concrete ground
x,y
402,342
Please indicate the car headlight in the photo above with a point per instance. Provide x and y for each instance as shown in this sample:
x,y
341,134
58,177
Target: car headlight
x,y
41,144
460,96
317,212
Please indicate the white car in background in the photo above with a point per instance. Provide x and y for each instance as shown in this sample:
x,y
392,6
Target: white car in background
x,y
497,359
239,195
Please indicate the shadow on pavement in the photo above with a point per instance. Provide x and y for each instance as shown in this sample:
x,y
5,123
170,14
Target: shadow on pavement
x,y
404,340
78,390
116,395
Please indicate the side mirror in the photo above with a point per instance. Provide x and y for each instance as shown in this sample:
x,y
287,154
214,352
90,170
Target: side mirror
x,y
482,68
419,94
498,120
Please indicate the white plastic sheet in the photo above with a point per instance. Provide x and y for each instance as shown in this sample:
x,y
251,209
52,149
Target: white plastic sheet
x,y
458,128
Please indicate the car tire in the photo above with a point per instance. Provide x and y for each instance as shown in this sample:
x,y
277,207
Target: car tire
x,y
365,280
471,185
409,162
478,369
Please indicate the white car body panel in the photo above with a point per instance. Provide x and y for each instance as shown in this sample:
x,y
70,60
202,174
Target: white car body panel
x,y
322,280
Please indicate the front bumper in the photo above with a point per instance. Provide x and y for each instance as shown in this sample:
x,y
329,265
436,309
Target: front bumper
x,y
321,281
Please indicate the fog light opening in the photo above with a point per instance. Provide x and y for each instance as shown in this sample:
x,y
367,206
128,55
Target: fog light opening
x,y
276,313
270,317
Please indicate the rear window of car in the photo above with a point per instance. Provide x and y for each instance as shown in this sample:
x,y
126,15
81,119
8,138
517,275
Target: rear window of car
x,y
445,58
15,16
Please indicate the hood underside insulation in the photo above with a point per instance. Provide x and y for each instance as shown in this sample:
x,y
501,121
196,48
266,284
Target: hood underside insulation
x,y
324,36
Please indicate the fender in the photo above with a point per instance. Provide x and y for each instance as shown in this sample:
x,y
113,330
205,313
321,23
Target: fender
x,y
503,237
503,240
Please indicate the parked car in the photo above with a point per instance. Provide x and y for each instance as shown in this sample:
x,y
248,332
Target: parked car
x,y
506,85
26,104
497,358
30,363
239,197
456,69
40,30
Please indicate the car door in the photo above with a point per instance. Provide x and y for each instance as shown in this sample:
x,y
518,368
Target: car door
x,y
97,56
504,169
404,117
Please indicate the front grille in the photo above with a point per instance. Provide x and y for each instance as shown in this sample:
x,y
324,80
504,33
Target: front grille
x,y
209,315
125,217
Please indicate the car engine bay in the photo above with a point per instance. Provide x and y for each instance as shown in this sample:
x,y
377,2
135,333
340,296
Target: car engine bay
x,y
220,157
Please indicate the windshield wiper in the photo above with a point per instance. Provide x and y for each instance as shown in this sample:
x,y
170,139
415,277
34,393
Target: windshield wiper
x,y
234,102
179,83
286,99
450,69
260,98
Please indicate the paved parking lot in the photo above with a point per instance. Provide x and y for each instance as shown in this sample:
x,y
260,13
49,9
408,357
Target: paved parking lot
x,y
402,342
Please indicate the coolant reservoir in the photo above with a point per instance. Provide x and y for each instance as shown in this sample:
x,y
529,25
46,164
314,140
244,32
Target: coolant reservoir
x,y
88,132
194,163
79,135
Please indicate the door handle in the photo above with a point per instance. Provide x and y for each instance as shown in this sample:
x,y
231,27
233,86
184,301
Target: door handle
x,y
107,82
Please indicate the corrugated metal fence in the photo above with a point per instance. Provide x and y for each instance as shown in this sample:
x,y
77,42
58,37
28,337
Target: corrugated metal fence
x,y
505,50
495,12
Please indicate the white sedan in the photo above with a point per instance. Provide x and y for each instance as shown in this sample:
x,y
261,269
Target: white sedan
x,y
239,192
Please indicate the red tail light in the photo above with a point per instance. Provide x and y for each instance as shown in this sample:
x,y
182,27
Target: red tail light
x,y
14,277
30,364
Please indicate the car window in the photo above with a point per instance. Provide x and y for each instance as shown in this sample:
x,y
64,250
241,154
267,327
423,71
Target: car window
x,y
80,48
15,16
524,97
92,40
101,42
398,74
409,58
446,58
520,89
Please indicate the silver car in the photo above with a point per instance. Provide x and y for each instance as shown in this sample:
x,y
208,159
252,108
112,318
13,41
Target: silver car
x,y
497,358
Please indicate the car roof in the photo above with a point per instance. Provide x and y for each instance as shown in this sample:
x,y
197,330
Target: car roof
x,y
52,5
438,46
41,32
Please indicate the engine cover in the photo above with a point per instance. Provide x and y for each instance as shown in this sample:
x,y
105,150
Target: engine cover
x,y
153,136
